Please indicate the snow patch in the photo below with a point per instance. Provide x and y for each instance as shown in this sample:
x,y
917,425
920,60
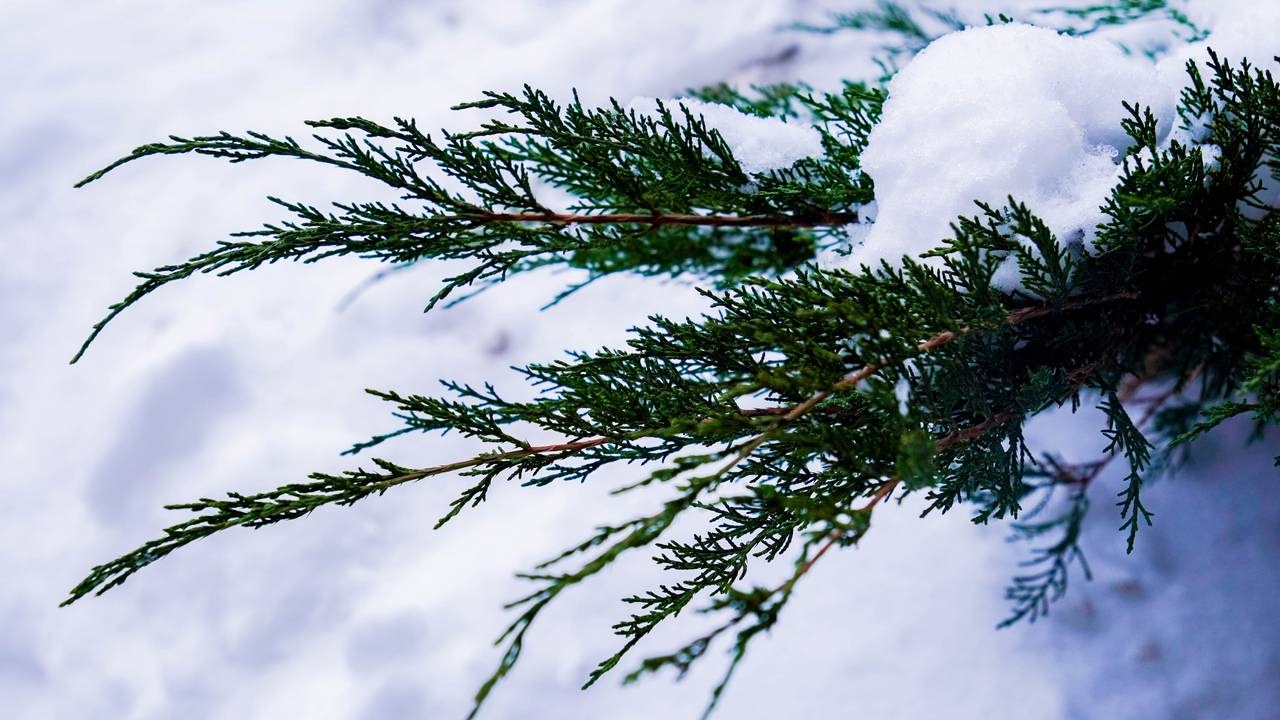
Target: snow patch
x,y
1021,111
760,144
992,112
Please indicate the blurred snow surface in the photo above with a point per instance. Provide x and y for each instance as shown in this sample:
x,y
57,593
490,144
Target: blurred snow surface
x,y
247,382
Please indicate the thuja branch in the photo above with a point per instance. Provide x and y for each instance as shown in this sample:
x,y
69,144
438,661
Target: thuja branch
x,y
807,395
759,609
838,535
391,235
286,503
296,500
654,194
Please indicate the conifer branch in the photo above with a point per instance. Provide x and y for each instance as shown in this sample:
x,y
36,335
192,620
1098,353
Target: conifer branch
x,y
287,503
806,396
942,338
765,605
839,534
291,501
652,193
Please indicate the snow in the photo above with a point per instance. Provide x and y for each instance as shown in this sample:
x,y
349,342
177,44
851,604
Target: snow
x,y
993,112
759,144
1185,627
246,382
1019,111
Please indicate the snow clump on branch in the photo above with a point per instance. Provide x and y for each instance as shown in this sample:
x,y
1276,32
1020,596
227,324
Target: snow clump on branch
x,y
993,112
759,144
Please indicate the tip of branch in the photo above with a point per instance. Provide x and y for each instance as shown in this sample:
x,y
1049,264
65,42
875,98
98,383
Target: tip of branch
x,y
84,346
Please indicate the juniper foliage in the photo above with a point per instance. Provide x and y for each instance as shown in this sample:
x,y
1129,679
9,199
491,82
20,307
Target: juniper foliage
x,y
807,397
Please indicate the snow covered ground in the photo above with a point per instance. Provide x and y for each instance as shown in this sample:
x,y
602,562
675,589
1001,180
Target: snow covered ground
x,y
246,382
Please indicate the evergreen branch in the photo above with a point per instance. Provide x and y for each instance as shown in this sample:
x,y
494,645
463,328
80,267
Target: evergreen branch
x,y
640,183
766,604
1033,593
766,612
801,402
839,535
640,533
938,340
292,501
224,145
1153,407
391,235
286,503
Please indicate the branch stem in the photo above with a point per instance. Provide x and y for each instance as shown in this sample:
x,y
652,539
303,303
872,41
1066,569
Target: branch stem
x,y
825,219
788,415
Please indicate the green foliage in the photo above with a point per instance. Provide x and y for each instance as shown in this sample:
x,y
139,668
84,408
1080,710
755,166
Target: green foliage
x,y
636,180
1050,566
806,397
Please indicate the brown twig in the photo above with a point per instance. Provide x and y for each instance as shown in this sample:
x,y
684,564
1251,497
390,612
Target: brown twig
x,y
973,433
1094,468
947,336
887,487
836,536
826,219
489,458
781,410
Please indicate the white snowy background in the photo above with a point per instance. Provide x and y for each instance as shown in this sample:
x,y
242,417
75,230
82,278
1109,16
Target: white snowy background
x,y
247,382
